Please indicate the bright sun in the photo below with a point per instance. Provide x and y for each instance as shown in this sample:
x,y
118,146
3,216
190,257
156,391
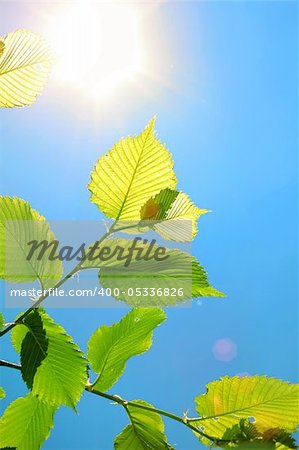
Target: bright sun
x,y
98,45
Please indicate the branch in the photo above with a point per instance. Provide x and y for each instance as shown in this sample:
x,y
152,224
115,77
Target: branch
x,y
125,403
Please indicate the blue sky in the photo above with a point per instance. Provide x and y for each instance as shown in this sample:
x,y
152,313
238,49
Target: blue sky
x,y
227,110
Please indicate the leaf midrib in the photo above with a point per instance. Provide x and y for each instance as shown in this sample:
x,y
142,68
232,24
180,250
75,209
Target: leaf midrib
x,y
201,419
108,355
42,61
133,176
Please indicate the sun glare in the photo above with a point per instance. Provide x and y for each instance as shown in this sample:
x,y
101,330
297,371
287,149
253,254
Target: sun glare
x,y
97,45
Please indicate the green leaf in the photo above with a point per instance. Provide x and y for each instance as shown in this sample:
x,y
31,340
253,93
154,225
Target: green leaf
x,y
25,64
2,392
135,169
60,378
26,423
1,321
176,278
19,225
200,283
34,347
109,348
174,213
245,435
269,402
145,433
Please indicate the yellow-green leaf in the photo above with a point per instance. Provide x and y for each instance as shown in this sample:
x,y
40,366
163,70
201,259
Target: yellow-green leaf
x,y
25,64
19,225
109,348
149,280
173,215
146,431
268,402
160,282
2,392
134,170
26,423
2,46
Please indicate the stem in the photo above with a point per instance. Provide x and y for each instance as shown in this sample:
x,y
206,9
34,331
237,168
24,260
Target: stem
x,y
125,403
10,365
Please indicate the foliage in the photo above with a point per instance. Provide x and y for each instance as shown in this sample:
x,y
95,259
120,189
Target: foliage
x,y
271,438
175,214
26,423
25,64
109,348
135,169
20,224
269,402
134,183
54,357
145,432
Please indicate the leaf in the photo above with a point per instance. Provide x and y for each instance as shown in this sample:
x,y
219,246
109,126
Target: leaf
x,y
109,348
169,282
1,321
245,435
280,437
2,46
25,64
200,283
34,347
268,402
135,169
176,278
19,225
174,213
61,376
2,392
145,433
26,423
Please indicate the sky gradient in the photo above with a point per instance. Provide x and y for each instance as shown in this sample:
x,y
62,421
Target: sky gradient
x,y
223,83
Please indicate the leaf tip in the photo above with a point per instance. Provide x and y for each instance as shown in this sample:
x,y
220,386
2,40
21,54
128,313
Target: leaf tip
x,y
150,127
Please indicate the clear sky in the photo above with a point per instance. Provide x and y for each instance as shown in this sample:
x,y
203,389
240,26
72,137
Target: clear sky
x,y
222,81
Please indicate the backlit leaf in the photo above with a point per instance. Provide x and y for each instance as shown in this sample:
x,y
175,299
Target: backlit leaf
x,y
268,402
2,392
245,435
26,423
61,376
109,348
1,321
149,280
134,170
2,46
174,213
146,431
19,225
25,64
